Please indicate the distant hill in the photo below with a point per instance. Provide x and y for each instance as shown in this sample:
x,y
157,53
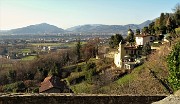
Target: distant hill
x,y
43,28
99,28
146,23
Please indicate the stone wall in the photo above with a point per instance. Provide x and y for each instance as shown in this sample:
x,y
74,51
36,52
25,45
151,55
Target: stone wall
x,y
76,99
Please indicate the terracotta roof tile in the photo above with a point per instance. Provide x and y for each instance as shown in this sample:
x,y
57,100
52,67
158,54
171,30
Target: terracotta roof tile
x,y
50,82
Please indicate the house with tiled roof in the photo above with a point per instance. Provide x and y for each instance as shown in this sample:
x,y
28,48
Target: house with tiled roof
x,y
134,51
53,84
142,39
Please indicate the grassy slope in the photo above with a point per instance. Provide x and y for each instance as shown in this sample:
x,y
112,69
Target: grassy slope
x,y
139,81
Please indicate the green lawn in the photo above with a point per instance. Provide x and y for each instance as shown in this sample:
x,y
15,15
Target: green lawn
x,y
28,58
25,50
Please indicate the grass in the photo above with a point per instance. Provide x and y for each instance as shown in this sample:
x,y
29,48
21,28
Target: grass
x,y
46,44
25,50
28,58
83,87
70,44
75,75
130,77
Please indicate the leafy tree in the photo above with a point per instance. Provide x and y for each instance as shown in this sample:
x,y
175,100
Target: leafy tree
x,y
115,40
89,51
146,49
173,61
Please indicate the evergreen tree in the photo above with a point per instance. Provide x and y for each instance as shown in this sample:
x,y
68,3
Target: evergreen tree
x,y
145,30
54,71
12,76
152,28
171,25
78,49
161,20
177,14
130,38
115,40
146,49
137,31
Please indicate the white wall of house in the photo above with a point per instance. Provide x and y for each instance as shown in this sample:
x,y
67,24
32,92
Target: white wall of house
x,y
118,56
141,40
118,60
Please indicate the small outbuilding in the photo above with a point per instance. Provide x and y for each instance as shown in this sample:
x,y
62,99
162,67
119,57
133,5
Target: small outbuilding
x,y
53,84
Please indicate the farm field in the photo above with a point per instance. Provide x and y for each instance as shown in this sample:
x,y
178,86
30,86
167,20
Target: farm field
x,y
70,44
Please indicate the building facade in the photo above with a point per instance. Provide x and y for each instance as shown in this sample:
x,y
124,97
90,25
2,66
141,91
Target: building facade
x,y
143,39
118,56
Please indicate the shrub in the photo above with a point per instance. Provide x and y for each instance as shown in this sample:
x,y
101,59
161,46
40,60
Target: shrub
x,y
174,67
14,87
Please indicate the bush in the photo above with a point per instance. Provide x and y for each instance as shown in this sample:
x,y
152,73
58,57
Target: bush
x,y
14,87
35,90
78,69
90,71
174,67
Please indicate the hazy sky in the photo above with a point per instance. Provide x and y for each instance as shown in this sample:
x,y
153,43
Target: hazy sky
x,y
68,13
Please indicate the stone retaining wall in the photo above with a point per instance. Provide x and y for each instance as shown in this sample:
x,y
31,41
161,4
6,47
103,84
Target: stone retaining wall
x,y
76,99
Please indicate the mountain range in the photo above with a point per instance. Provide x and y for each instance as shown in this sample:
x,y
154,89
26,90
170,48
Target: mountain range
x,y
45,28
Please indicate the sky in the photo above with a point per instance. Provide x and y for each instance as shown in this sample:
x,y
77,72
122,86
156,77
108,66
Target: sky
x,y
69,13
